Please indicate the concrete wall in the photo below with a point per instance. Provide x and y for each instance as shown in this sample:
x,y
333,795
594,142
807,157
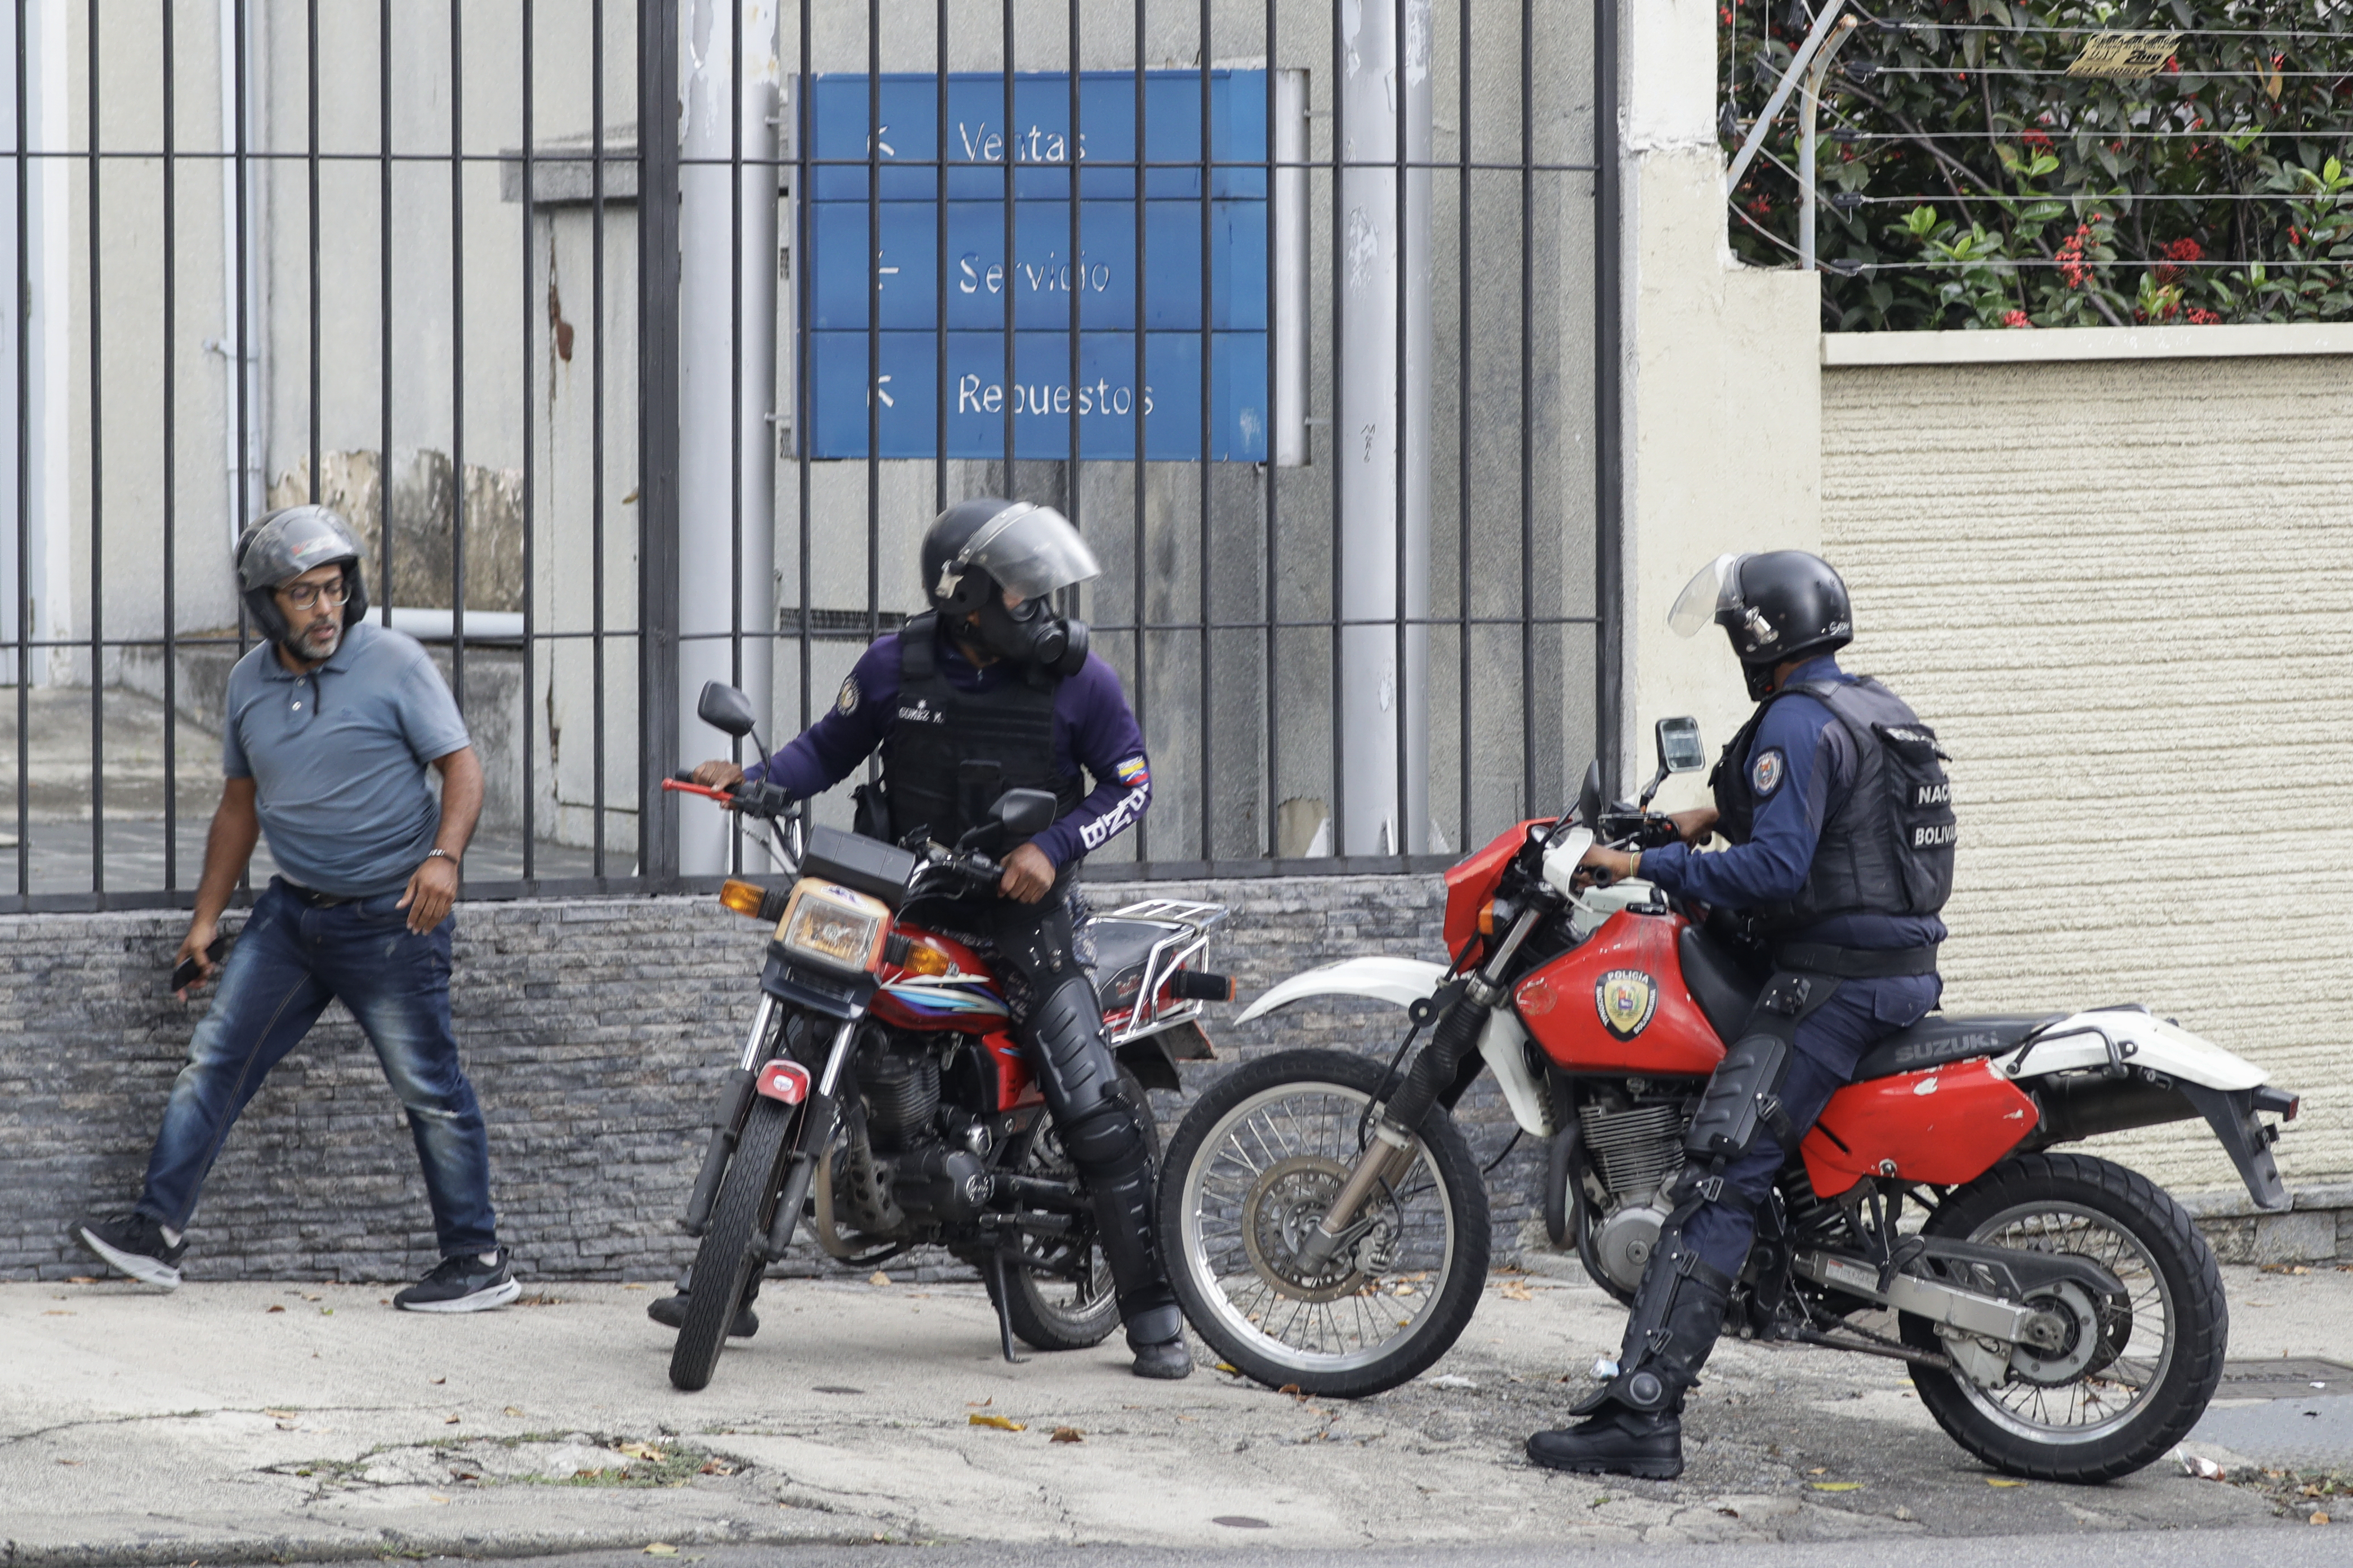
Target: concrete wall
x,y
2120,588
595,1034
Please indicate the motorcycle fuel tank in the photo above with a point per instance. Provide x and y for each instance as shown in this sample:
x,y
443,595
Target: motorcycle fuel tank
x,y
1944,1126
1617,1003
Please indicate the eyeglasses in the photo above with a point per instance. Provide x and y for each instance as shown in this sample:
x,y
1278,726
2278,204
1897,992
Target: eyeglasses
x,y
303,595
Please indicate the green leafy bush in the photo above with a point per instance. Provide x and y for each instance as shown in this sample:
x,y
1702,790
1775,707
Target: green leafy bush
x,y
1969,182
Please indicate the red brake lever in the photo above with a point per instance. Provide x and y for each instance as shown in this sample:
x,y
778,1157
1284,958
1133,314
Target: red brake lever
x,y
719,795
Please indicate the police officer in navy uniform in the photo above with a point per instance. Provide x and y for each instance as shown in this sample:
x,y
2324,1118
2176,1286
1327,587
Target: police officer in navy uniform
x,y
1841,826
988,690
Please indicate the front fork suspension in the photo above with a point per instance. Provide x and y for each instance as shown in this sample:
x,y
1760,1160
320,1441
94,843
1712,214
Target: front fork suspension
x,y
730,1125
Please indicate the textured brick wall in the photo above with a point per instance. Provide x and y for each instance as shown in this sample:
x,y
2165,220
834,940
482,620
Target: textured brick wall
x,y
595,1032
2122,592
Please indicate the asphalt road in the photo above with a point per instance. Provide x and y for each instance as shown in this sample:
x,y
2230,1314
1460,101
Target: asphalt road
x,y
206,1426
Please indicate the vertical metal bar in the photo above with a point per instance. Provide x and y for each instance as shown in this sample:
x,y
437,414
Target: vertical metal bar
x,y
530,460
939,238
657,443
1527,406
1269,692
1609,536
736,381
1339,539
171,461
1012,377
1074,294
97,491
598,744
383,308
24,606
1139,694
803,211
1206,708
310,172
1402,832
456,355
243,346
1464,836
873,318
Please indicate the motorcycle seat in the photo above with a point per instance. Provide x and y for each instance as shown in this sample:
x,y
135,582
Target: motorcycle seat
x,y
1122,946
1936,1040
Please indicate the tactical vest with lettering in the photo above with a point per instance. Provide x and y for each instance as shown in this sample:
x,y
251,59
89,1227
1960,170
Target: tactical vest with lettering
x,y
1887,848
952,752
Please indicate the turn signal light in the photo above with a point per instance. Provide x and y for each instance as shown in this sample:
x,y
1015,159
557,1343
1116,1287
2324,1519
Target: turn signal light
x,y
743,897
1487,918
925,958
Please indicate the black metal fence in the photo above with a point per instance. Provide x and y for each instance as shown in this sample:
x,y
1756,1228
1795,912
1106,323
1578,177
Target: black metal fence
x,y
1303,312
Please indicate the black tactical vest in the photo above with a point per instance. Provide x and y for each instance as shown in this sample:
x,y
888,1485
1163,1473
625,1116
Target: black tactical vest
x,y
952,752
1887,848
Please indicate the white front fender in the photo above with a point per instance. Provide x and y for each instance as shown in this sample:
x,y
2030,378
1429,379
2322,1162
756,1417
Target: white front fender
x,y
1402,981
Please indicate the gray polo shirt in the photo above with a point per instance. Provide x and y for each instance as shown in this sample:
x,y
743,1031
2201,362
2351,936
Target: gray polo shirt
x,y
338,758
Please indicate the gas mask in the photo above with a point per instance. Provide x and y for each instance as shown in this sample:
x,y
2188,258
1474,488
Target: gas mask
x,y
1031,634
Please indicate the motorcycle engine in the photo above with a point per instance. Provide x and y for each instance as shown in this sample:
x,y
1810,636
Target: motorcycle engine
x,y
901,1087
1638,1149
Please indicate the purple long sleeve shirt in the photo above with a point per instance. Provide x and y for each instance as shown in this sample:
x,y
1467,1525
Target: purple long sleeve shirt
x,y
1094,730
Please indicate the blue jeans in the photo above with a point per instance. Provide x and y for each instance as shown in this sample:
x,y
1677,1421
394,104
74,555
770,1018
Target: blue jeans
x,y
1829,1044
291,962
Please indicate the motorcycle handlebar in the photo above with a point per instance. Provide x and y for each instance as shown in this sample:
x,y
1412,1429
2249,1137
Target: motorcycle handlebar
x,y
755,799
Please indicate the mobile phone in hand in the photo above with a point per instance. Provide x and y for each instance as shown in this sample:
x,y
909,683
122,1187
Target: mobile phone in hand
x,y
188,971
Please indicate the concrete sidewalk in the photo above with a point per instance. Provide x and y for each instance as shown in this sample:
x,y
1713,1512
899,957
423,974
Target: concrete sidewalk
x,y
232,1422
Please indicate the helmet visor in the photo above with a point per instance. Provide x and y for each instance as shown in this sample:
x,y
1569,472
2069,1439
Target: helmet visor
x,y
1707,597
1030,550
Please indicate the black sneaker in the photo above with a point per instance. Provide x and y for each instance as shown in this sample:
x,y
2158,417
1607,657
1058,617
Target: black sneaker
x,y
670,1311
134,1243
462,1284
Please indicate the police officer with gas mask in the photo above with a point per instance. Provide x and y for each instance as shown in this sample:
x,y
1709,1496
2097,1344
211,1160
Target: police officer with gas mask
x,y
988,691
1840,819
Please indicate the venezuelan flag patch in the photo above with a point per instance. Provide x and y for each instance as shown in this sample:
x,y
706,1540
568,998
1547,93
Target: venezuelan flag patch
x,y
1133,774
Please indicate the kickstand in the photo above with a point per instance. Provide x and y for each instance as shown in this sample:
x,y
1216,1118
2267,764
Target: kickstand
x,y
997,1287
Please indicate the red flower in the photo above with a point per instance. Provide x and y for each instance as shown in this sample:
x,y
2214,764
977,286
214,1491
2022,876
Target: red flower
x,y
2072,266
2036,139
2199,317
2016,319
2182,250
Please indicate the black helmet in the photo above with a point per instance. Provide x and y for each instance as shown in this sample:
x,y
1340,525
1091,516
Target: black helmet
x,y
1775,607
285,544
978,550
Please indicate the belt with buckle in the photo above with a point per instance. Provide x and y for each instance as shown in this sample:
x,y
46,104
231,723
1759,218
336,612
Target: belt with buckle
x,y
315,899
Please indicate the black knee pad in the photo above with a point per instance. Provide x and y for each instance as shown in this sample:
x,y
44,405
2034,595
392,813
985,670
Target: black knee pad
x,y
1105,1138
1746,1092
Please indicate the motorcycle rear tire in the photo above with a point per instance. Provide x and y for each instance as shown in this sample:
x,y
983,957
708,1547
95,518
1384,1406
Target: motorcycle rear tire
x,y
723,1264
2184,1272
1455,1297
1047,1325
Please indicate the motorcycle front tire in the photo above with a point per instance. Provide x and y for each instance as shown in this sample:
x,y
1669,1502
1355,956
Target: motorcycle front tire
x,y
723,1264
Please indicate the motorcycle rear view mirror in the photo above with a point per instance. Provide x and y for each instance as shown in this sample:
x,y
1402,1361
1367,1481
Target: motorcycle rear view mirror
x,y
1023,813
1589,796
725,708
1680,752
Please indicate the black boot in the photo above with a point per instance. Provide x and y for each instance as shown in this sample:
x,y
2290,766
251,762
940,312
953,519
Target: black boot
x,y
1634,1425
1155,1326
670,1311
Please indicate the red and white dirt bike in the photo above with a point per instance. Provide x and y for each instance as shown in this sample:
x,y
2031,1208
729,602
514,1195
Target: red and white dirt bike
x,y
2062,1317
881,1093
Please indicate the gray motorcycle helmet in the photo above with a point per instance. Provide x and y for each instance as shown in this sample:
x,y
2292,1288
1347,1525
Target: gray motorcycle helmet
x,y
283,545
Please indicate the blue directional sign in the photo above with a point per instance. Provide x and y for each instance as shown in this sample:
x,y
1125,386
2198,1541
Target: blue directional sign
x,y
945,296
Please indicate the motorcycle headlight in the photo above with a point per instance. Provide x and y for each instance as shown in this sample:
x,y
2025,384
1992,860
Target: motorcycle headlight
x,y
832,925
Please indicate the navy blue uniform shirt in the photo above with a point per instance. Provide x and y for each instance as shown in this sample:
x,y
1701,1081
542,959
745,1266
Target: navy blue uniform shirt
x,y
1093,729
1800,767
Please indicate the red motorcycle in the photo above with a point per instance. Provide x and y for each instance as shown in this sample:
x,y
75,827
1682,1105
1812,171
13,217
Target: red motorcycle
x,y
881,1093
2061,1316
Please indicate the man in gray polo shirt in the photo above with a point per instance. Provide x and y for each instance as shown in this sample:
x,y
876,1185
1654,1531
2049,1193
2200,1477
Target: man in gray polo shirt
x,y
331,723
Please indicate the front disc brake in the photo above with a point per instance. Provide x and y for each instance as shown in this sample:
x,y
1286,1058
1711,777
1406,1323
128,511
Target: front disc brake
x,y
1283,1205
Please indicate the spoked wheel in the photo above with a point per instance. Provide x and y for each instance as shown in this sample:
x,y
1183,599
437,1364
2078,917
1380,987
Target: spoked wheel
x,y
1069,1304
723,1264
1254,1165
2122,1377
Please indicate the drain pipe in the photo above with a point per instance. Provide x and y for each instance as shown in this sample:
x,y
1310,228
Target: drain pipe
x,y
727,296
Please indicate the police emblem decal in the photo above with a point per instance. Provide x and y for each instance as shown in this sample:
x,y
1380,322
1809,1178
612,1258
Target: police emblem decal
x,y
847,701
1626,999
1765,775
